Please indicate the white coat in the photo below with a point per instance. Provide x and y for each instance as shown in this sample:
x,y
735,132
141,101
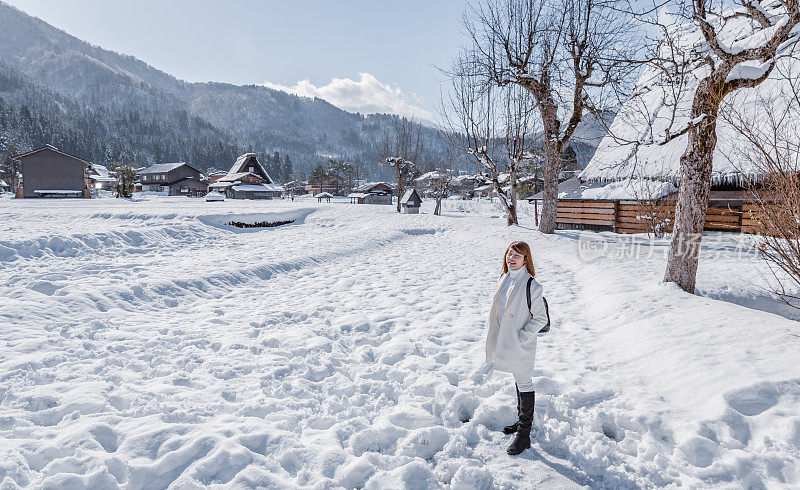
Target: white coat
x,y
511,340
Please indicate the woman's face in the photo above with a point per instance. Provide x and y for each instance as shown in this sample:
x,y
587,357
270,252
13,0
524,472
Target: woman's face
x,y
514,260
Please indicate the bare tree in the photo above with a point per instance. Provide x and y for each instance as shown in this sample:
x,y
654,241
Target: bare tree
x,y
491,124
569,54
401,148
653,209
767,153
763,32
437,183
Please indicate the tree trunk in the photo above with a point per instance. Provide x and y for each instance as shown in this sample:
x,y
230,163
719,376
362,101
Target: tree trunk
x,y
509,207
438,210
511,215
552,161
512,190
399,186
695,186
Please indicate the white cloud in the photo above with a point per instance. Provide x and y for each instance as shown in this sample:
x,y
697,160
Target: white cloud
x,y
367,95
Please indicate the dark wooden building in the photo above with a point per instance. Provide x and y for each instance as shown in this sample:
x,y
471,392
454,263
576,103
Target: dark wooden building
x,y
332,184
49,172
173,179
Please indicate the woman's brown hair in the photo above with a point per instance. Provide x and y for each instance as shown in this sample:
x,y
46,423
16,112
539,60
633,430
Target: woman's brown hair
x,y
523,249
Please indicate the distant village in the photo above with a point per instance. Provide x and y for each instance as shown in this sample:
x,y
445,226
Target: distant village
x,y
601,204
48,172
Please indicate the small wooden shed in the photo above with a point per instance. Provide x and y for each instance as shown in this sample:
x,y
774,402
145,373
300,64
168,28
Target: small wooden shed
x,y
410,202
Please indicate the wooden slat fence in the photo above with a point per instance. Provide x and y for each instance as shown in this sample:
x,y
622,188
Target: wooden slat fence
x,y
631,217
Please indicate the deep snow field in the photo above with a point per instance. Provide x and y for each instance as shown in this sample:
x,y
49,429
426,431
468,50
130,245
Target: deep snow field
x,y
148,345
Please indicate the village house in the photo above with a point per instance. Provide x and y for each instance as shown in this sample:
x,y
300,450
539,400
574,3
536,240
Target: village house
x,y
372,193
295,188
216,175
49,172
101,178
173,179
247,179
327,183
467,185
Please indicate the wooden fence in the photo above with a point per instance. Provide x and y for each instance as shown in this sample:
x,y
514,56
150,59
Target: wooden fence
x,y
632,217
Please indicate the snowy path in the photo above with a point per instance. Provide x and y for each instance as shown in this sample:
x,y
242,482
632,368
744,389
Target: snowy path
x,y
144,348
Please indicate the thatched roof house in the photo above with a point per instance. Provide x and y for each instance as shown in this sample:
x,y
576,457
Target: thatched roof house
x,y
247,179
649,133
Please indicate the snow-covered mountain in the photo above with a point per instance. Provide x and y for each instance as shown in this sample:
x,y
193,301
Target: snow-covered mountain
x,y
246,117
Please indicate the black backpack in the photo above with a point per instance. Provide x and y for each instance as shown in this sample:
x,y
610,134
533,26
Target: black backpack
x,y
546,328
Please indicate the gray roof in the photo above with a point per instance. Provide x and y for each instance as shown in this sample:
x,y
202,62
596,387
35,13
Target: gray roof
x,y
369,185
47,147
407,195
161,168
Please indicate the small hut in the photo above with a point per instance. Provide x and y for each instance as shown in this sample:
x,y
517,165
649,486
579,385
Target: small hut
x,y
410,202
324,195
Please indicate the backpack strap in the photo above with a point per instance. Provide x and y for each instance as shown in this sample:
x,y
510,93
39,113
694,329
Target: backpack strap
x,y
530,280
546,328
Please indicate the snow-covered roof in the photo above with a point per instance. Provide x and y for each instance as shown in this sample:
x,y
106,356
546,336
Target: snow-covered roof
x,y
248,159
369,185
433,175
569,189
102,174
232,177
359,195
101,170
324,194
161,168
259,187
221,185
648,135
623,190
407,195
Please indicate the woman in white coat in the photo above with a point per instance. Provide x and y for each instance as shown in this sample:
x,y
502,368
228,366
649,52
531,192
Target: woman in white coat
x,y
511,337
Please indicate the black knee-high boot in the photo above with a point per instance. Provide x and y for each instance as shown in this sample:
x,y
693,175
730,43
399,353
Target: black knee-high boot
x,y
523,439
510,429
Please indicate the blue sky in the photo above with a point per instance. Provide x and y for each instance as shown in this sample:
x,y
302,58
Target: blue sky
x,y
383,53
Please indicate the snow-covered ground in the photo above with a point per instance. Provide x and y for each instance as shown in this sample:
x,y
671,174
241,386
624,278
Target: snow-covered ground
x,y
149,344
